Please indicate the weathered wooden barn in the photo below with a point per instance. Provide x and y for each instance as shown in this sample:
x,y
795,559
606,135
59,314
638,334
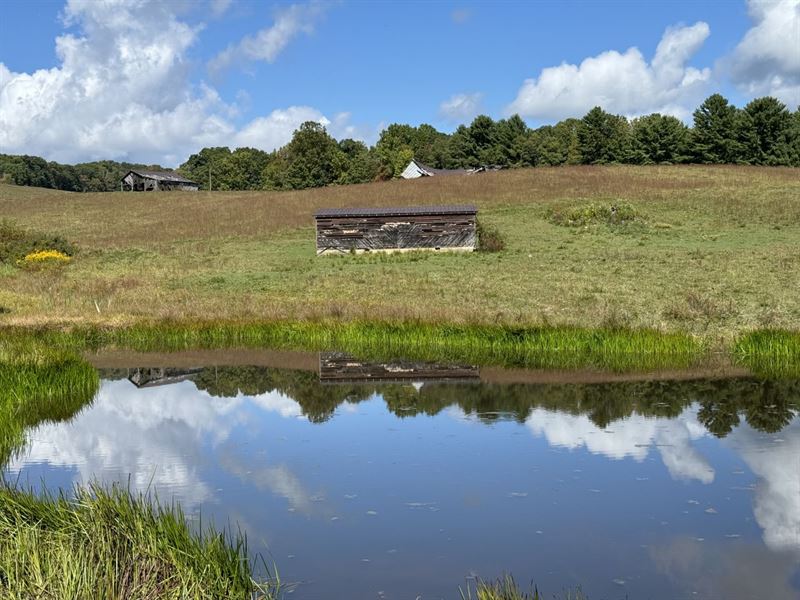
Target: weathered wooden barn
x,y
446,228
155,181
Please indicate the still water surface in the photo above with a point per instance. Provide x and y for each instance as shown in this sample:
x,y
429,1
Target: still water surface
x,y
403,490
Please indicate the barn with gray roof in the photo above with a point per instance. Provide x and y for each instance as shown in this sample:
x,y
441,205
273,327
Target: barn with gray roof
x,y
157,181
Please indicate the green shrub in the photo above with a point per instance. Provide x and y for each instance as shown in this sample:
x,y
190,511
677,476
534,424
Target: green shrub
x,y
489,238
16,243
614,215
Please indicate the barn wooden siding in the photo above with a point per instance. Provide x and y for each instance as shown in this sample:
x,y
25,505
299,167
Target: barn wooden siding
x,y
340,367
392,229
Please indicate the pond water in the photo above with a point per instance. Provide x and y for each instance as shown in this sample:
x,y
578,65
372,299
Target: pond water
x,y
629,489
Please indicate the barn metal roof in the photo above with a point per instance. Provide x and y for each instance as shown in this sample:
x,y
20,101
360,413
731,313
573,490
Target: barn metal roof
x,y
440,172
162,176
398,211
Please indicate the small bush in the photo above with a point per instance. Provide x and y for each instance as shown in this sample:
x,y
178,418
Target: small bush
x,y
489,238
16,244
44,259
614,215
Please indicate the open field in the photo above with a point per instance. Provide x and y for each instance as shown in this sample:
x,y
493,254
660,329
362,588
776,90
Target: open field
x,y
718,254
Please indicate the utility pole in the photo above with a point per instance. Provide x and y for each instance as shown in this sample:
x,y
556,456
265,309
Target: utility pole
x,y
209,178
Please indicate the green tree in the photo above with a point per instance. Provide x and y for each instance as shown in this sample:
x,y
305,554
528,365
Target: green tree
x,y
603,138
659,139
313,158
719,129
240,170
205,165
770,132
395,147
362,164
553,145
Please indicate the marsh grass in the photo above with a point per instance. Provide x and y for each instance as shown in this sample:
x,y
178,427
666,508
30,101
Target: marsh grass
x,y
613,349
39,383
770,353
108,543
505,588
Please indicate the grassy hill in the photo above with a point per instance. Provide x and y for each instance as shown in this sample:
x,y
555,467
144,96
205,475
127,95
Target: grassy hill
x,y
715,251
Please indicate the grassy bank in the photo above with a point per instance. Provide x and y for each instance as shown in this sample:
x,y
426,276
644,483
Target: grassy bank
x,y
106,543
542,347
712,252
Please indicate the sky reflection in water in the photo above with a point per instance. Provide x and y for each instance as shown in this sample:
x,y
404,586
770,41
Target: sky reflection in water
x,y
367,504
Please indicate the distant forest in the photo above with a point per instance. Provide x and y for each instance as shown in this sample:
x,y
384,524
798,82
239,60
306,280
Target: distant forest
x,y
764,132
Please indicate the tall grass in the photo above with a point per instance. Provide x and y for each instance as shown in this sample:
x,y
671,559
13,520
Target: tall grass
x,y
38,383
770,353
542,347
506,588
107,543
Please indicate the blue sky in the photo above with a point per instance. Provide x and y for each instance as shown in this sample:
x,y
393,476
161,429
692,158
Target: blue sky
x,y
242,72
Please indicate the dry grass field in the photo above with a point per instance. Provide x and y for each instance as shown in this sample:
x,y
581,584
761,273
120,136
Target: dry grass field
x,y
718,254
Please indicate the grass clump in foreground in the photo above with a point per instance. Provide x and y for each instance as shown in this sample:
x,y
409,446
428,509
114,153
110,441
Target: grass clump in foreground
x,y
506,588
770,353
107,543
39,383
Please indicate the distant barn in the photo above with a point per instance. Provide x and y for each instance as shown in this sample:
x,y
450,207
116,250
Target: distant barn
x,y
446,228
416,169
155,181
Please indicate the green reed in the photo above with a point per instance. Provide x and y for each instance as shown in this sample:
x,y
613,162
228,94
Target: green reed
x,y
38,383
770,353
109,543
543,347
505,588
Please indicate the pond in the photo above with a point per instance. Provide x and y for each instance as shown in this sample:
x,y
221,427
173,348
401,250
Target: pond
x,y
403,480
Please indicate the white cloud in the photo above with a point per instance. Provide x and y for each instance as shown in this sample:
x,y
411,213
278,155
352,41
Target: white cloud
x,y
163,437
630,438
219,7
777,499
276,129
268,43
621,82
774,460
461,107
122,91
767,60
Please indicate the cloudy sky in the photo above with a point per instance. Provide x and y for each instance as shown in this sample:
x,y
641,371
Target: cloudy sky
x,y
155,80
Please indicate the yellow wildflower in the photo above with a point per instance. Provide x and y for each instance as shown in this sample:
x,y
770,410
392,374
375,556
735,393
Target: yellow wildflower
x,y
43,258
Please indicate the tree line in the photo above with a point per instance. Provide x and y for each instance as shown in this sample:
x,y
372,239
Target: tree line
x,y
764,132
